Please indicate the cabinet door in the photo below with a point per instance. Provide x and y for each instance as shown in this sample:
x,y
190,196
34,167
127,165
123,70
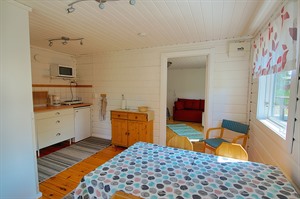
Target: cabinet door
x,y
144,133
82,123
133,132
119,132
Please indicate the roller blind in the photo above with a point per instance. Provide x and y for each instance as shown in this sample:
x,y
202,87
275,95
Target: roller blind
x,y
274,48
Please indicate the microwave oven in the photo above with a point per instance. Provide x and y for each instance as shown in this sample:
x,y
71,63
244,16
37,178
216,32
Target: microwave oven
x,y
57,70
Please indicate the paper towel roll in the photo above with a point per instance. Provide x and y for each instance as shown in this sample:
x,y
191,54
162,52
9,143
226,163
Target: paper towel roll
x,y
123,106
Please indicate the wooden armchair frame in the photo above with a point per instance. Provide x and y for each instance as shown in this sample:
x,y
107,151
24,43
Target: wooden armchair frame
x,y
232,150
181,142
229,125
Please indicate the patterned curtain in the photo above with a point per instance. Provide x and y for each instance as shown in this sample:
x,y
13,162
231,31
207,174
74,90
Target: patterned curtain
x,y
274,49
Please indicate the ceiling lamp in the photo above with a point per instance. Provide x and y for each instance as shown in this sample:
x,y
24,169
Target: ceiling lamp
x,y
65,40
101,5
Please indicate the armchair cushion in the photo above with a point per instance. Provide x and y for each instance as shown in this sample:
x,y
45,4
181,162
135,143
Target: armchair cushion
x,y
215,142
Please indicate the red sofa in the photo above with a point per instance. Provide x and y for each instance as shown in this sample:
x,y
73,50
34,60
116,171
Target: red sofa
x,y
188,110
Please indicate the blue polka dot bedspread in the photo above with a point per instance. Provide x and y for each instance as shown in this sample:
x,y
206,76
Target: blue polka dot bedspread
x,y
152,171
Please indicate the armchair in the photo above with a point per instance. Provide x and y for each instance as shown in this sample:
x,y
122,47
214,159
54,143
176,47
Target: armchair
x,y
213,143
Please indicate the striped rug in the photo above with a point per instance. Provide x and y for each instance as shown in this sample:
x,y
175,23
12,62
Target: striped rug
x,y
51,164
184,130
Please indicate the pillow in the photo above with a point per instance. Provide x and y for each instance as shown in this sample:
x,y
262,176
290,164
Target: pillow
x,y
179,105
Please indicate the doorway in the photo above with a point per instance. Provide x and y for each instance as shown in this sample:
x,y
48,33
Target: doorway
x,y
185,79
208,53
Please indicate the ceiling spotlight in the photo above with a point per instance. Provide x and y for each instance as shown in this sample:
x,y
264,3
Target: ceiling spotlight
x,y
132,2
70,9
101,5
65,40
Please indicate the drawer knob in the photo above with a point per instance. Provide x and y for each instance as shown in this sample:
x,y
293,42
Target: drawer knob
x,y
57,122
135,117
57,134
119,115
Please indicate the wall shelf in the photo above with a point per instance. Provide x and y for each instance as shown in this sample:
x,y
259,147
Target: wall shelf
x,y
61,85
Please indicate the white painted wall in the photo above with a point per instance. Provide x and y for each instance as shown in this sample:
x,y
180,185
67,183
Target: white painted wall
x,y
18,170
267,147
41,59
137,75
185,83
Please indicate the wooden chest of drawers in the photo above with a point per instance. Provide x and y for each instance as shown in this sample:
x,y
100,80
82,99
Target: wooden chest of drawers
x,y
129,127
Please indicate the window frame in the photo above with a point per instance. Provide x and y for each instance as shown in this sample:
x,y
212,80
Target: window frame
x,y
265,101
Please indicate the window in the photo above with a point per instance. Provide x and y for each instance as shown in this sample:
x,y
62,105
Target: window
x,y
273,101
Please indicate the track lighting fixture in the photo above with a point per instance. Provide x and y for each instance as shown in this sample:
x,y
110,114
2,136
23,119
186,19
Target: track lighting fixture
x,y
65,40
101,5
70,9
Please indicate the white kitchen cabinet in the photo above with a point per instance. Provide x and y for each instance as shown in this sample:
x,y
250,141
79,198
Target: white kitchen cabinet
x,y
82,123
54,126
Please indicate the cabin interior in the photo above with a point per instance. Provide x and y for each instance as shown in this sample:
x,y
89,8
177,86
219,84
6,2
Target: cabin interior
x,y
152,53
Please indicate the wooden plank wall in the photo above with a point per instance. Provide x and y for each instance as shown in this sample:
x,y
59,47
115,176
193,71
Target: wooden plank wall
x,y
136,74
267,147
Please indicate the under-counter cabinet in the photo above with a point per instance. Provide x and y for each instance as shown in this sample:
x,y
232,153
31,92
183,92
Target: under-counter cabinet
x,y
54,126
82,116
129,127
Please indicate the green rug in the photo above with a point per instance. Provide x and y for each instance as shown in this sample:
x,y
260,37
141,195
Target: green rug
x,y
184,130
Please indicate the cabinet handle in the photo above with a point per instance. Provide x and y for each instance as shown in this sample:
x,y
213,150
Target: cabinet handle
x,y
57,122
57,134
135,117
57,113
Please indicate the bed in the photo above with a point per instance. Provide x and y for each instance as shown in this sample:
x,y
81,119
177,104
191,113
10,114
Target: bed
x,y
153,171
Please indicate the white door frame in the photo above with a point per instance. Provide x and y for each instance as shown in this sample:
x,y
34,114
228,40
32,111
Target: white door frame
x,y
208,88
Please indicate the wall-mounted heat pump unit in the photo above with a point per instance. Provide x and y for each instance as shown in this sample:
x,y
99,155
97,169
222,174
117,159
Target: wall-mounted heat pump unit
x,y
239,49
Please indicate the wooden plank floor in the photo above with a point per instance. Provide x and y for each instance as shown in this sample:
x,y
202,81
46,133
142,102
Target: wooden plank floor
x,y
63,183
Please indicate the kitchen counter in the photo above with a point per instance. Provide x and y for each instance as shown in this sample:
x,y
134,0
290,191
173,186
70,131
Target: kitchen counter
x,y
52,108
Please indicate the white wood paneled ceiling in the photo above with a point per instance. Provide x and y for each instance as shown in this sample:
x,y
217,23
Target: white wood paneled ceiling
x,y
161,23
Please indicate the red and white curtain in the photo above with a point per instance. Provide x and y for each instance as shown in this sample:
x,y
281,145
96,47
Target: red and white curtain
x,y
274,49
